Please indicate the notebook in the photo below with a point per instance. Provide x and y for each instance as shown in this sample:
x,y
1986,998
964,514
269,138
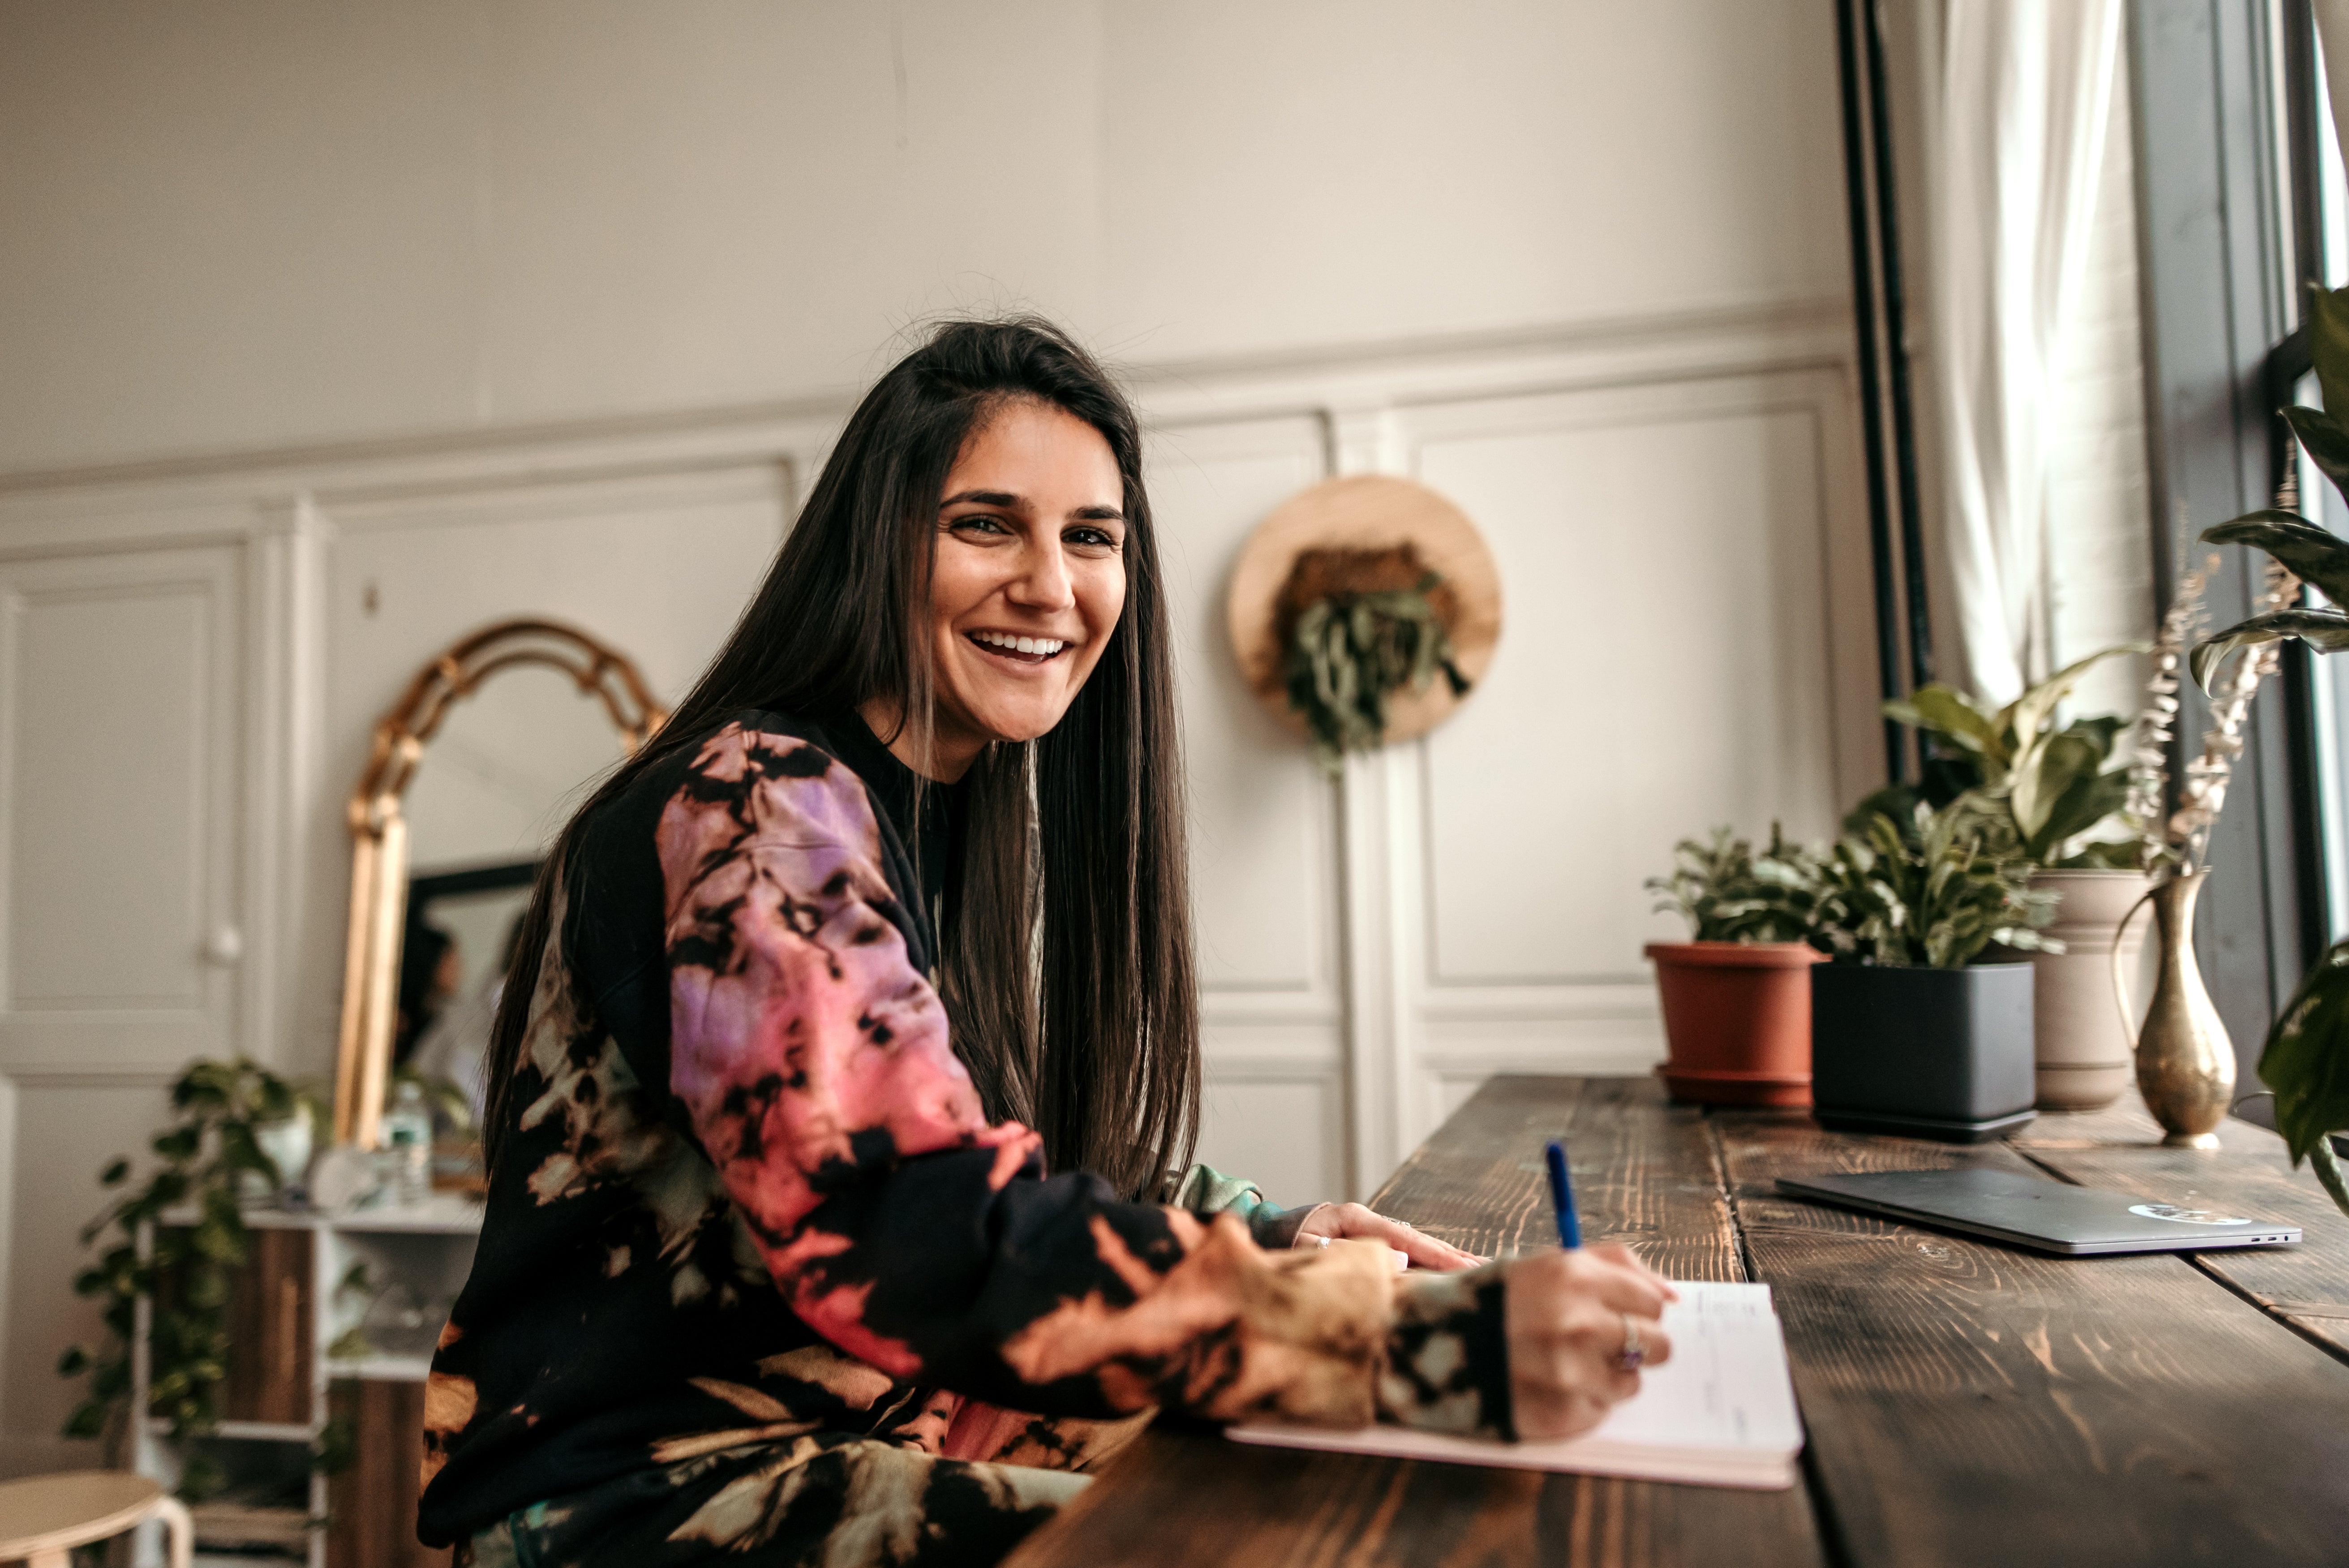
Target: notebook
x,y
1721,1412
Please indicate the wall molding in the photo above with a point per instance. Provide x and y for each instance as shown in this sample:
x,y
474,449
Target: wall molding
x,y
1670,345
1379,1025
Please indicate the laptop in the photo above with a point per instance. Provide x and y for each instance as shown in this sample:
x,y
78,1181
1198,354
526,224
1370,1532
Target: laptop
x,y
2049,1216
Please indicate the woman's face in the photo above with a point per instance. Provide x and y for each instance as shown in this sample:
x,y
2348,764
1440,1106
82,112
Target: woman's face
x,y
1029,578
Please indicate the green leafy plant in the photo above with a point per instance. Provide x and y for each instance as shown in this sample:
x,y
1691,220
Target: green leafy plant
x,y
2054,787
2304,1063
199,1242
1352,628
1350,653
1932,890
2314,555
1728,894
2306,1060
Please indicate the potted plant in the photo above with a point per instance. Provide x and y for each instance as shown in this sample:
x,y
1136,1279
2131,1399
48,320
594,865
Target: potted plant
x,y
1736,996
225,1117
2185,1063
2062,795
1910,1032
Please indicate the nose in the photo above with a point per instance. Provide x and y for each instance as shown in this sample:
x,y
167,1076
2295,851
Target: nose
x,y
1042,581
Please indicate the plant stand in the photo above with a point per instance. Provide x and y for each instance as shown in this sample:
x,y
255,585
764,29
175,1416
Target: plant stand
x,y
287,1316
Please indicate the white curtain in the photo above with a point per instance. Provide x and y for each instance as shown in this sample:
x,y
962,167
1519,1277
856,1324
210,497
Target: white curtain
x,y
2333,44
2025,95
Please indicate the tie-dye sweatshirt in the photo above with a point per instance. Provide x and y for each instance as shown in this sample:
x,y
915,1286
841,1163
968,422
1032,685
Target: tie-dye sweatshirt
x,y
750,1194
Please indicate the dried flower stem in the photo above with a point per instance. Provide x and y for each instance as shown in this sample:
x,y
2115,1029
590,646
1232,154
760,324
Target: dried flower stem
x,y
2148,765
2203,794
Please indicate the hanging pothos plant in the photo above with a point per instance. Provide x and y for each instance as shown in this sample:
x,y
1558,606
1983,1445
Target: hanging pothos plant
x,y
218,1108
1355,627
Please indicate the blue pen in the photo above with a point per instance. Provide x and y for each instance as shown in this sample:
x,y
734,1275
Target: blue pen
x,y
1561,1193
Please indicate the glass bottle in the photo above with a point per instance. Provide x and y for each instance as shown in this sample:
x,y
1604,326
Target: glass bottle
x,y
407,1145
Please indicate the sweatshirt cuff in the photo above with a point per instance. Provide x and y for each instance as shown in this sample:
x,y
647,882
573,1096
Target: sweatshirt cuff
x,y
1448,1359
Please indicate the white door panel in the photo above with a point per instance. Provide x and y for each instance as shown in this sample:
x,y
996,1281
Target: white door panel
x,y
121,761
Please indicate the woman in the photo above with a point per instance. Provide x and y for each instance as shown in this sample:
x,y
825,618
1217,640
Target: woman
x,y
888,922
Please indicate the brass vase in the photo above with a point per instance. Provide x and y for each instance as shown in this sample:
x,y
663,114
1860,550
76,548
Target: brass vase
x,y
2185,1063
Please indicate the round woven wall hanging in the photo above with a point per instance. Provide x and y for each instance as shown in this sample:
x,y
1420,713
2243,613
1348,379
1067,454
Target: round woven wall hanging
x,y
1391,544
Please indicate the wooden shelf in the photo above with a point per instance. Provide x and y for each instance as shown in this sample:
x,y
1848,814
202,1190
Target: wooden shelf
x,y
443,1214
245,1526
258,1431
288,1307
382,1368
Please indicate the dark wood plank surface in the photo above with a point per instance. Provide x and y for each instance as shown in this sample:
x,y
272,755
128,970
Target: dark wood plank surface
x,y
1645,1175
1973,1404
2250,1173
1966,1403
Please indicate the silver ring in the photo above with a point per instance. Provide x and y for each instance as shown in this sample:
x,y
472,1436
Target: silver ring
x,y
1321,1240
1629,1358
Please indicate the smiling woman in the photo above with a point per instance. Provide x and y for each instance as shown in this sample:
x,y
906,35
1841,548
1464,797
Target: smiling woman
x,y
842,1090
1026,586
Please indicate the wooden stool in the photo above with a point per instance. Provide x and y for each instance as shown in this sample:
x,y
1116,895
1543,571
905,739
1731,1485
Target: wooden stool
x,y
44,1517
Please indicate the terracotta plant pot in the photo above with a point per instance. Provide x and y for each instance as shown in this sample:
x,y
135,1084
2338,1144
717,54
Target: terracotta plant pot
x,y
2085,1056
1737,1020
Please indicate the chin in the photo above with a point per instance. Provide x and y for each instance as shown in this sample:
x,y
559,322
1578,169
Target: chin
x,y
1022,728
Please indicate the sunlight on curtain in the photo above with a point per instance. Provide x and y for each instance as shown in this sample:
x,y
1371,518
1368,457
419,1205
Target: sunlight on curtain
x,y
2025,106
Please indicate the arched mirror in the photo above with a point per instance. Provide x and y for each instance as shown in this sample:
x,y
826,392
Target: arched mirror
x,y
518,718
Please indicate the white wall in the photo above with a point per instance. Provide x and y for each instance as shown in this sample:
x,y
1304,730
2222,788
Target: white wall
x,y
256,222
504,307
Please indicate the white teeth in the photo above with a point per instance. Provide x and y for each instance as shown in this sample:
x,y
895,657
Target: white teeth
x,y
1009,643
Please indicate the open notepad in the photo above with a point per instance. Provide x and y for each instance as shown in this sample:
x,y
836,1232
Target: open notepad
x,y
1721,1412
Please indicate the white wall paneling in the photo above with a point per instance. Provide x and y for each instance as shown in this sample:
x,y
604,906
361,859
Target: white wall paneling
x,y
1679,649
1263,856
190,665
124,947
122,750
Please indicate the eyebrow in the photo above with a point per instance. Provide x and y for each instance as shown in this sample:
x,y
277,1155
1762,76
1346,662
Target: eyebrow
x,y
1011,502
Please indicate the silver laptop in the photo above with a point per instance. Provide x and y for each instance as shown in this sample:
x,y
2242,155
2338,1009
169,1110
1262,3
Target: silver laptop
x,y
2047,1215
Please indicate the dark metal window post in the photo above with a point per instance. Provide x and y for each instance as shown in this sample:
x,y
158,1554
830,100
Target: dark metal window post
x,y
2218,304
1884,387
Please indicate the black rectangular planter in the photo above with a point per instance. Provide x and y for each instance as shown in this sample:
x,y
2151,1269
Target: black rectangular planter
x,y
1921,1053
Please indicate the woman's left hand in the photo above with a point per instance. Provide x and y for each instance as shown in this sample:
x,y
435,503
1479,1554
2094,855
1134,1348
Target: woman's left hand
x,y
1353,1223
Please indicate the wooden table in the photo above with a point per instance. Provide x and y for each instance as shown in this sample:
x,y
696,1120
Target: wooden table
x,y
1965,1403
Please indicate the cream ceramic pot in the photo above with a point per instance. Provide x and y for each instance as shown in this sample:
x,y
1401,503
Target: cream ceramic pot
x,y
2085,1055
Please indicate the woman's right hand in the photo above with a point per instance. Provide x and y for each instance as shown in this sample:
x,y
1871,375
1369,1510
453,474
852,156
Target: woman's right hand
x,y
1567,1316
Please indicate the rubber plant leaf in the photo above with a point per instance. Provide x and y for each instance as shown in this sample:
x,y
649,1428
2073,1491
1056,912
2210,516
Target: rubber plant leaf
x,y
2090,799
2055,767
2028,714
2326,443
2328,321
2306,1063
2315,555
1946,711
2103,733
2325,629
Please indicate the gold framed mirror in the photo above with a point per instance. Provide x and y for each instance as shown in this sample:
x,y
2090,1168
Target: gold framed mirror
x,y
379,826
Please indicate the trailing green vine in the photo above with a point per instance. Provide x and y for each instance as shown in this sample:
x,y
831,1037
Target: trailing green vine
x,y
1357,627
187,1275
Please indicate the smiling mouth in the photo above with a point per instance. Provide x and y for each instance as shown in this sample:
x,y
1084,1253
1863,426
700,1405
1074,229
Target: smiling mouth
x,y
1016,649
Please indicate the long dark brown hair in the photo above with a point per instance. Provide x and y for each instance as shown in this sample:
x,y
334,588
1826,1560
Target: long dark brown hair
x,y
1066,967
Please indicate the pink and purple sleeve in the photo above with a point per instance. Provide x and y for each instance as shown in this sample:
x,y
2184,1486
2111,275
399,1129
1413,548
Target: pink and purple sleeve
x,y
814,1064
